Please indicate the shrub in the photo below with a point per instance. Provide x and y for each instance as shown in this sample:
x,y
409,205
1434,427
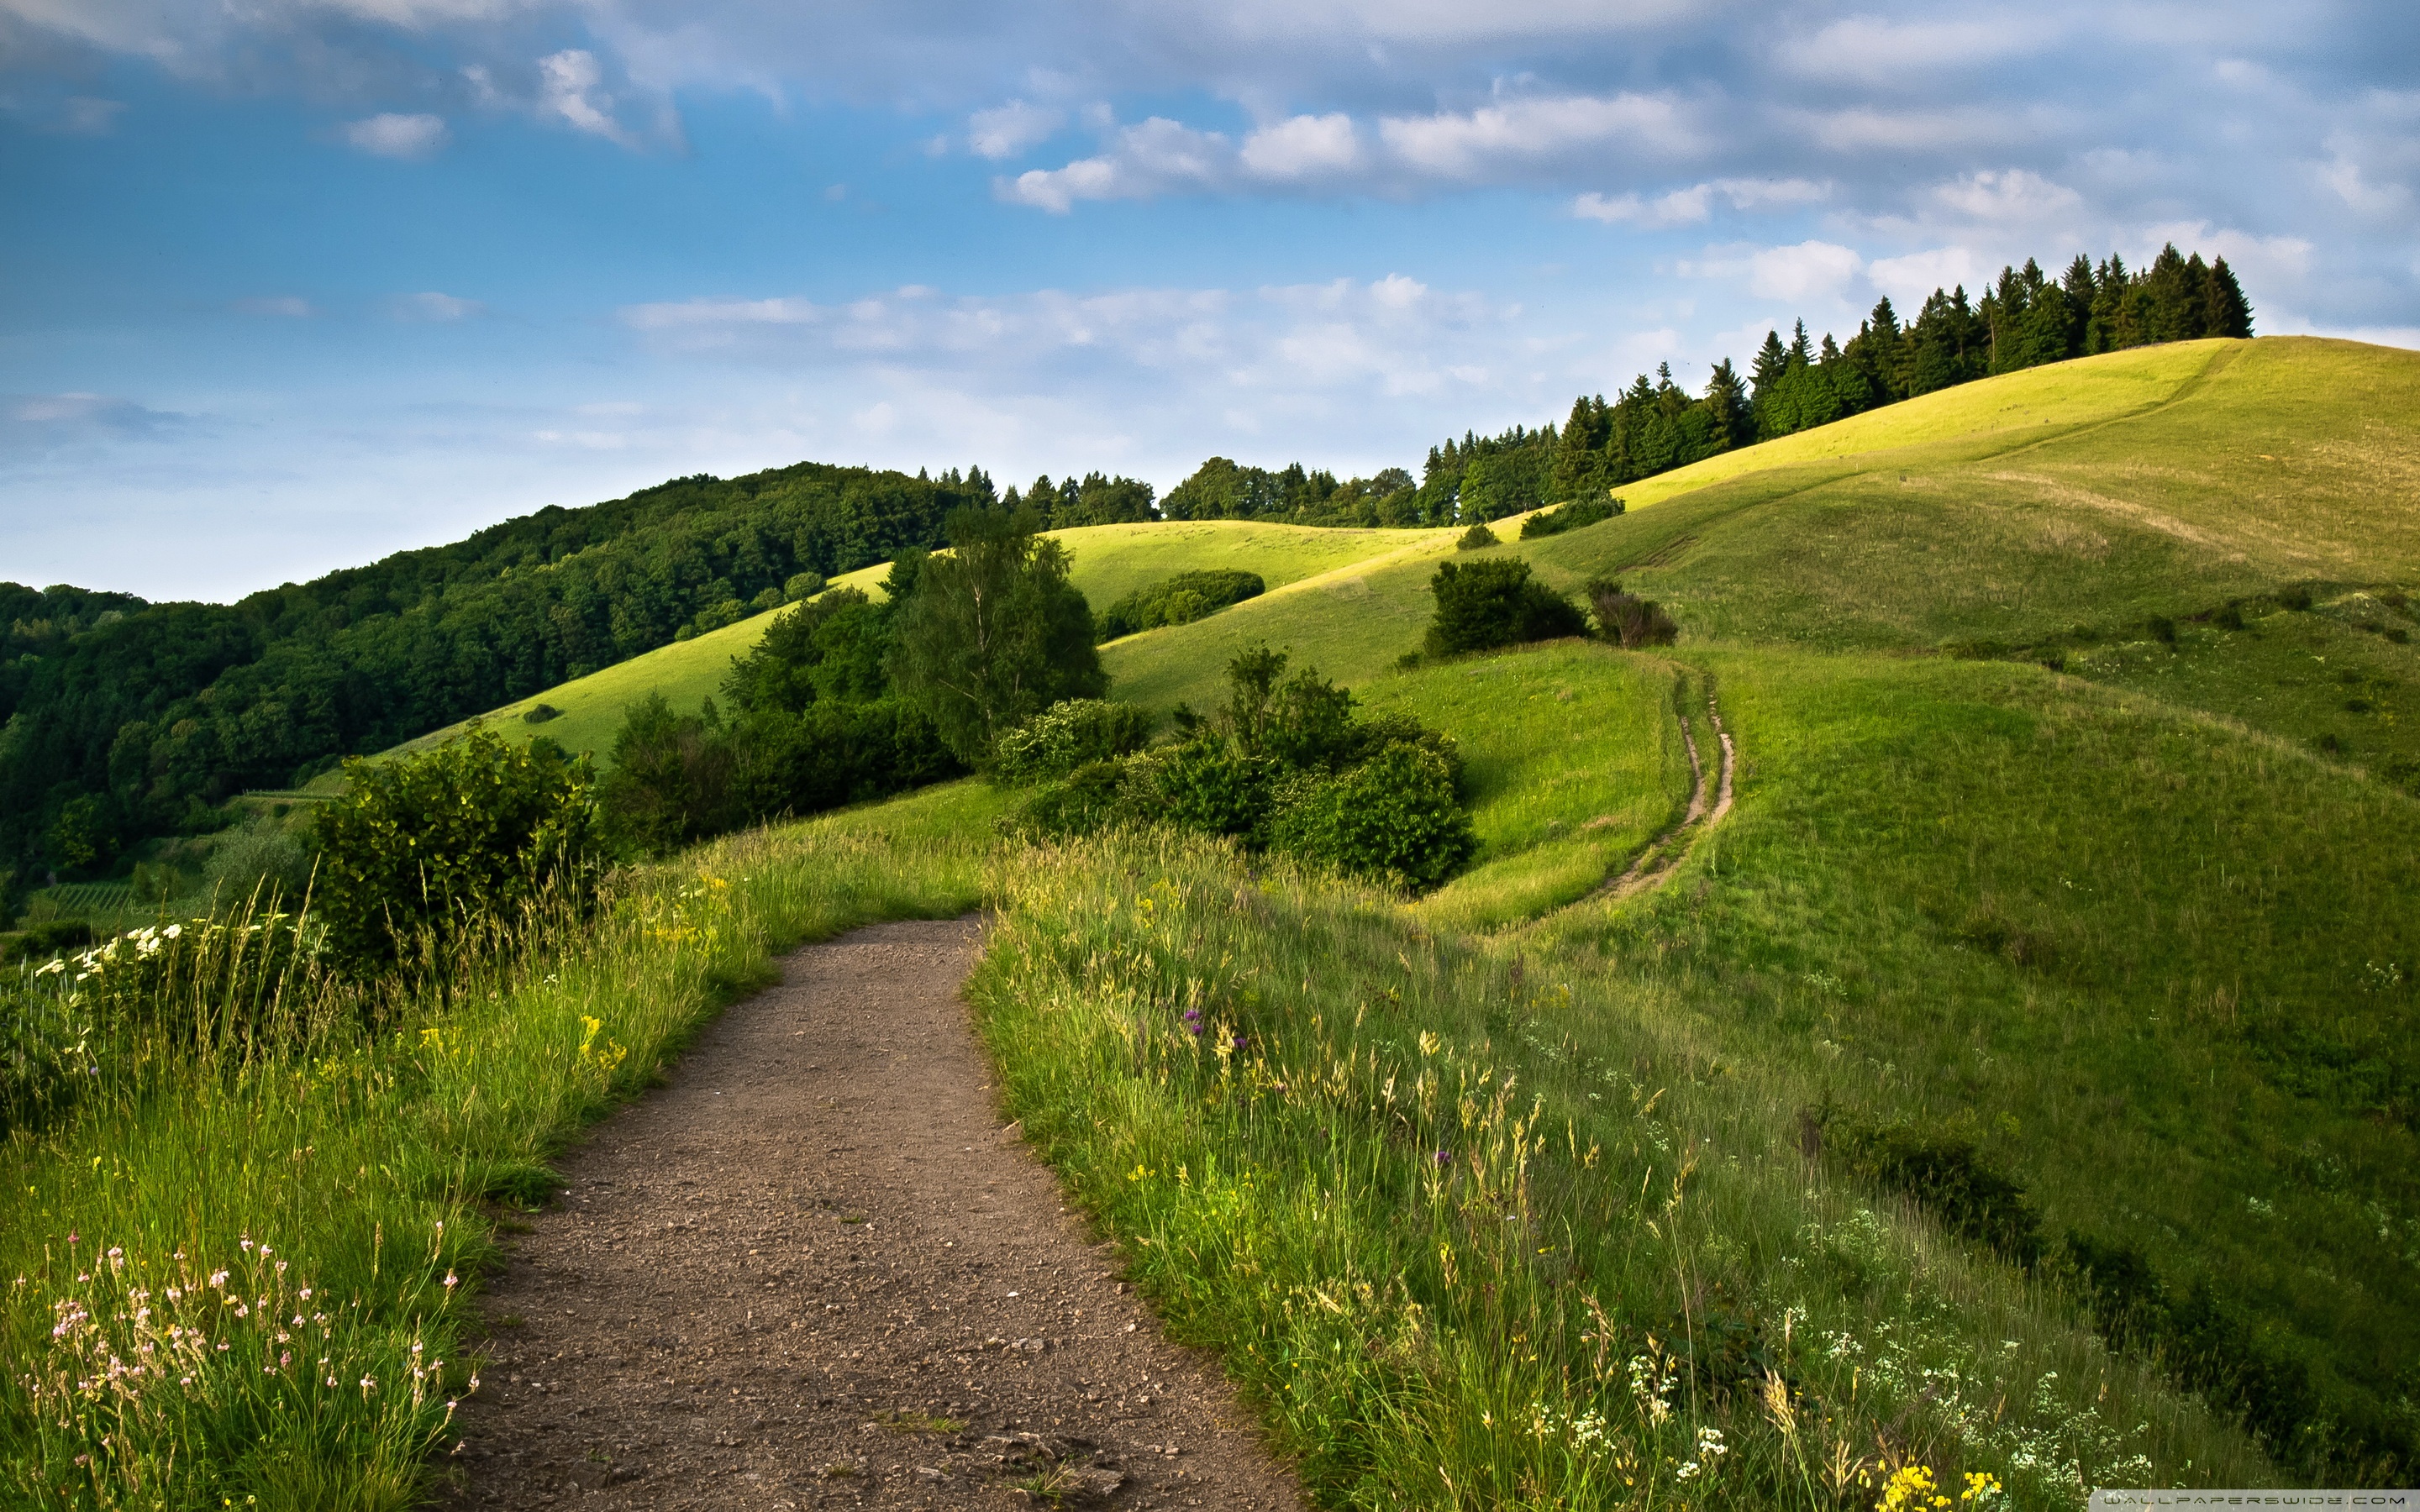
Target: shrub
x,y
670,783
39,942
837,752
541,713
1069,734
1477,538
1579,512
1178,600
803,585
263,857
1495,602
1627,620
423,847
1090,799
1218,787
1394,818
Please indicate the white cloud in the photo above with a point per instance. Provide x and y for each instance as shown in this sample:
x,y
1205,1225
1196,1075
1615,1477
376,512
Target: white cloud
x,y
283,306
391,135
1687,207
2013,197
1864,129
1910,279
1681,206
1005,131
1302,147
438,307
1876,50
1811,270
1153,158
1524,131
571,88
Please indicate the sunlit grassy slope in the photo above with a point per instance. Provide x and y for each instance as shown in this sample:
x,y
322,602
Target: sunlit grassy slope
x,y
2076,715
1107,562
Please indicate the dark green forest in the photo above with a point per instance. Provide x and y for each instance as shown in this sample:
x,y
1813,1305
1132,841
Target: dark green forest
x,y
126,720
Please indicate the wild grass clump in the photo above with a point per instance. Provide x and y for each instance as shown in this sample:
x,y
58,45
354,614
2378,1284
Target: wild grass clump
x,y
272,1179
1477,1237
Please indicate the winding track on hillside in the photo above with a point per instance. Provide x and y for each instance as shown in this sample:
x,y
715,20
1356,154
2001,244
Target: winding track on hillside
x,y
1655,862
814,1271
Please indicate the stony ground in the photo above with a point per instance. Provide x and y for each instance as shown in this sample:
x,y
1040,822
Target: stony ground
x,y
815,1271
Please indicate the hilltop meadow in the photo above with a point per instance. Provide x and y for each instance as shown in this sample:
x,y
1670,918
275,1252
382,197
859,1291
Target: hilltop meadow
x,y
1929,1027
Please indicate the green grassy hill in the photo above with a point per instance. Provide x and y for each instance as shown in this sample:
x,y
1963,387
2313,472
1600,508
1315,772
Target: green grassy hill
x,y
2075,818
2077,725
1109,562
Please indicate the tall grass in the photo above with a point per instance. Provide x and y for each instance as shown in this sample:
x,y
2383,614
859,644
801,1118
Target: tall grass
x,y
1482,1232
236,1263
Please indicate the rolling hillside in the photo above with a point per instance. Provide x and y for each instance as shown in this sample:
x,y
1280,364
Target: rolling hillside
x,y
1109,562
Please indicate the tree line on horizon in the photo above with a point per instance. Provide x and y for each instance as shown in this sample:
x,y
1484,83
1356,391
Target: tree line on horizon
x,y
122,721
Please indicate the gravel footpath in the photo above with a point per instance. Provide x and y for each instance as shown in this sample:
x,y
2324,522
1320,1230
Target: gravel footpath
x,y
814,1270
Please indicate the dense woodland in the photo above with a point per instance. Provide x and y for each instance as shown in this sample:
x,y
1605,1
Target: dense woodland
x,y
126,720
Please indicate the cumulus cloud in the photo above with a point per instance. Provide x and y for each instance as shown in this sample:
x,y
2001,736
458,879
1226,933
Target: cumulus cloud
x,y
1301,147
1687,207
1876,50
1475,144
390,135
1005,131
1811,269
570,88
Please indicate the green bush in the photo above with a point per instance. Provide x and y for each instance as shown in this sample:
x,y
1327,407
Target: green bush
x,y
803,585
1086,801
1477,538
1285,766
1178,600
1070,734
1394,818
670,783
1495,602
263,857
1627,620
422,848
1574,515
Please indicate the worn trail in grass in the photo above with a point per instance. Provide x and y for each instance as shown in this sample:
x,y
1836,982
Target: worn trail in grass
x,y
814,1270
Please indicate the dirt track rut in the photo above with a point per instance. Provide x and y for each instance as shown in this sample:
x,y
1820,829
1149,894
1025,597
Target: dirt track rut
x,y
815,1271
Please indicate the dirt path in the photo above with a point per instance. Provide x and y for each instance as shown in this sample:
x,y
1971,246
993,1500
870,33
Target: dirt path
x,y
815,1271
1654,863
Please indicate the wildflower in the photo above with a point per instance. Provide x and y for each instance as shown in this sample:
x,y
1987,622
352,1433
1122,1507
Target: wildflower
x,y
451,1280
1445,1157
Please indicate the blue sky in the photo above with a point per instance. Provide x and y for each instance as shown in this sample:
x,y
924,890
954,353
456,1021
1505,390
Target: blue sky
x,y
288,284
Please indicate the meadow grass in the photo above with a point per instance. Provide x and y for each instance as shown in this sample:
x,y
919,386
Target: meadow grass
x,y
1485,1231
2158,964
167,1234
1574,763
